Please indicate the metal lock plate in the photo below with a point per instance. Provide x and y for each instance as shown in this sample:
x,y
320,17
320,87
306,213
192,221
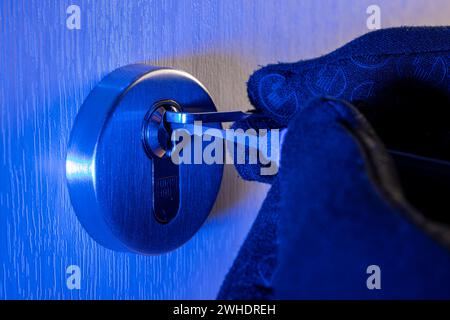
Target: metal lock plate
x,y
126,197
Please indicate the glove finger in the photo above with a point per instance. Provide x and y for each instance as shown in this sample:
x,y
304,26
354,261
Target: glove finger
x,y
356,72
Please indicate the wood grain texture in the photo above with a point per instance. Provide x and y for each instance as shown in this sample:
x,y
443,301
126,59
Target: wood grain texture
x,y
46,72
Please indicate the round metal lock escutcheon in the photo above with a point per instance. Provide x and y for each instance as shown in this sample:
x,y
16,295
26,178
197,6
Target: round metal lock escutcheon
x,y
125,189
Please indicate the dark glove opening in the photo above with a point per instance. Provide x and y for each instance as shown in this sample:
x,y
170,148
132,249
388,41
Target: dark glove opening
x,y
413,120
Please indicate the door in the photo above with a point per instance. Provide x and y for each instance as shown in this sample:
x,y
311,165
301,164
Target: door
x,y
50,62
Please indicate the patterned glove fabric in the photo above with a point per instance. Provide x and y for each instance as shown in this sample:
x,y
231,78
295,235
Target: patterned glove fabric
x,y
362,183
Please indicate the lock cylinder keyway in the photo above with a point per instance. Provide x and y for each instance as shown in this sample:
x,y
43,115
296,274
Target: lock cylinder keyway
x,y
156,140
124,188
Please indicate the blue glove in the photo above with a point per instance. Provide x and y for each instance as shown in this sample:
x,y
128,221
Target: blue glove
x,y
358,208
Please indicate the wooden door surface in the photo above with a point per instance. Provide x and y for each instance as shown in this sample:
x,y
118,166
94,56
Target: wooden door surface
x,y
48,69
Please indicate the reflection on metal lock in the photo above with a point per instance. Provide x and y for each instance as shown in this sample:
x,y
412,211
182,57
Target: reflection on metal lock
x,y
126,191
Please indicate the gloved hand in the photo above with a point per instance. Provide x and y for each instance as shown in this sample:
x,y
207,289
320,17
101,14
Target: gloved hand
x,y
337,208
371,72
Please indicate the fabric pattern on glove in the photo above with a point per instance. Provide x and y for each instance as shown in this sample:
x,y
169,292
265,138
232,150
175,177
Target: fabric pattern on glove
x,y
372,67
